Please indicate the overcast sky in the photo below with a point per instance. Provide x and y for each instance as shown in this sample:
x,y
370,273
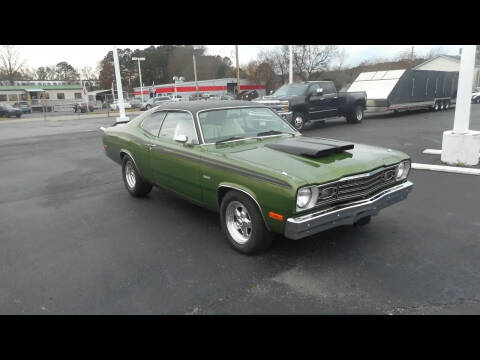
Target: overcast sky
x,y
81,55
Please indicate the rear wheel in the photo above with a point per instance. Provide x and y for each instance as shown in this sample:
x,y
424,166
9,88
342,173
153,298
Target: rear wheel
x,y
356,115
136,186
243,224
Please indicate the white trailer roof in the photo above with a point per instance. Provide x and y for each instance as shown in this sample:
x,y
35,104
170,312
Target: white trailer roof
x,y
377,84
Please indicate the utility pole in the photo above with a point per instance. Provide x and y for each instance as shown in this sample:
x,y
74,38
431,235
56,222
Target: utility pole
x,y
238,70
195,72
291,65
140,74
120,103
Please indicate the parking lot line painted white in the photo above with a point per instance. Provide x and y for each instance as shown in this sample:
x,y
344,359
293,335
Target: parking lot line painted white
x,y
435,152
444,168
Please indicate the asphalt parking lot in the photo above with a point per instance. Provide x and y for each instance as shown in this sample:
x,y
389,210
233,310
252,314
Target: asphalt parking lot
x,y
72,241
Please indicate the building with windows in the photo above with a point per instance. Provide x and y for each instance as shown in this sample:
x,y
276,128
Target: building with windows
x,y
39,96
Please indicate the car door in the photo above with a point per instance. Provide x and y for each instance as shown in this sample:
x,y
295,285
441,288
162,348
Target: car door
x,y
150,128
332,101
317,105
174,163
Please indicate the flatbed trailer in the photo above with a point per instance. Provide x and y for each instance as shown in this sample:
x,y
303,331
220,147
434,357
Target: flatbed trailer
x,y
400,90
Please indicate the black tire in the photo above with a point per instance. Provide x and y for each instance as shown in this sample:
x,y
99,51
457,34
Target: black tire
x,y
298,121
355,116
363,221
260,239
447,104
140,187
148,107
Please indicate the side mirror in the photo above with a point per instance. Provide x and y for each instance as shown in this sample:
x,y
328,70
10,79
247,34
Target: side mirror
x,y
181,138
320,91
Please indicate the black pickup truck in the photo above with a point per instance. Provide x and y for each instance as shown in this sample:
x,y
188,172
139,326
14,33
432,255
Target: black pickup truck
x,y
315,100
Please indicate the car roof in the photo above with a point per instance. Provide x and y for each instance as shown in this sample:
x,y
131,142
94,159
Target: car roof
x,y
195,106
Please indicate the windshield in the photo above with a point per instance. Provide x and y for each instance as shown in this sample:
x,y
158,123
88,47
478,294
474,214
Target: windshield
x,y
237,123
291,89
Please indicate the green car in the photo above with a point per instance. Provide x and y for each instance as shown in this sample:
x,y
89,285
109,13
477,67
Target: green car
x,y
263,176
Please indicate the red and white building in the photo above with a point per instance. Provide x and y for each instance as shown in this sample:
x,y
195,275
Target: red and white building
x,y
214,87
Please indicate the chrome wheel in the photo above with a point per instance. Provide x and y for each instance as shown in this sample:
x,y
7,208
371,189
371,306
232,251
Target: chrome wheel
x,y
238,221
436,106
447,105
298,122
130,175
359,114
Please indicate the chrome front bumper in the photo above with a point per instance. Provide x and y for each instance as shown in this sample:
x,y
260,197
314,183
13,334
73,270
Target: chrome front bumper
x,y
345,214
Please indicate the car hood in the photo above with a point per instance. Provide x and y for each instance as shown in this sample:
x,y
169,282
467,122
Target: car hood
x,y
307,170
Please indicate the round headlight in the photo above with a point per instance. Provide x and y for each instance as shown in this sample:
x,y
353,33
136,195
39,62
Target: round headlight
x,y
303,197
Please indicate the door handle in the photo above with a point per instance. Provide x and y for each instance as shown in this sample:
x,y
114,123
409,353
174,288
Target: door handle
x,y
150,145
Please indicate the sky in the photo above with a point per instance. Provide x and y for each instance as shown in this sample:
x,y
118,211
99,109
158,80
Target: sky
x,y
81,55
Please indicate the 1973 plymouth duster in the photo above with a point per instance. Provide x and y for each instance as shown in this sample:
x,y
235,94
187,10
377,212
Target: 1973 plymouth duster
x,y
256,169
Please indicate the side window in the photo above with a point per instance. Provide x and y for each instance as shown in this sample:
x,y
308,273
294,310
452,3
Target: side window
x,y
179,123
152,123
329,88
313,89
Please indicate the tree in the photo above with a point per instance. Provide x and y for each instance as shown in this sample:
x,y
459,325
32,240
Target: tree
x,y
310,58
260,72
66,72
11,63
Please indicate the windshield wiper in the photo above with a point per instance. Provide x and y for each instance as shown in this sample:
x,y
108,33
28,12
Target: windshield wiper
x,y
271,132
230,139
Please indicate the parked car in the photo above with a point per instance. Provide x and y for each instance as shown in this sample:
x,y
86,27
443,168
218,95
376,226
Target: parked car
x,y
82,107
153,102
135,103
476,96
10,111
247,95
300,103
244,161
24,106
114,105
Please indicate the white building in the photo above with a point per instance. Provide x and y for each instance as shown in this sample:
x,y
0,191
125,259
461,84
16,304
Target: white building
x,y
39,96
449,63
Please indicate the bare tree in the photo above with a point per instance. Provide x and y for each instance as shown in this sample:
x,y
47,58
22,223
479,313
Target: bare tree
x,y
11,63
341,58
87,73
310,58
434,52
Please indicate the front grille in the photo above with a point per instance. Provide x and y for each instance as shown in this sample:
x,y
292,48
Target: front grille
x,y
359,186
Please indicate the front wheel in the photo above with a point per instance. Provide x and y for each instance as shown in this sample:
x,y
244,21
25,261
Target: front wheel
x,y
356,115
298,121
243,224
136,186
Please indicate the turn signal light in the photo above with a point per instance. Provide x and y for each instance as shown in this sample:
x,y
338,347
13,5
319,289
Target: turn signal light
x,y
275,216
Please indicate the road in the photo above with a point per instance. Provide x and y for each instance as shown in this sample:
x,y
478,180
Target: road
x,y
72,241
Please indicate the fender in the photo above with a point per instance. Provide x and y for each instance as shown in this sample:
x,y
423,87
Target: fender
x,y
246,192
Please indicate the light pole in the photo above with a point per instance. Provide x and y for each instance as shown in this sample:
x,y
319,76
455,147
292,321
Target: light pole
x,y
238,70
140,74
291,64
175,79
120,103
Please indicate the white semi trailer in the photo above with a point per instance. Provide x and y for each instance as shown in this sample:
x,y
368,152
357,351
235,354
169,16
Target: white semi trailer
x,y
398,90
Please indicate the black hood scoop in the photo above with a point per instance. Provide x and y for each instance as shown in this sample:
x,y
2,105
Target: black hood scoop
x,y
311,146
